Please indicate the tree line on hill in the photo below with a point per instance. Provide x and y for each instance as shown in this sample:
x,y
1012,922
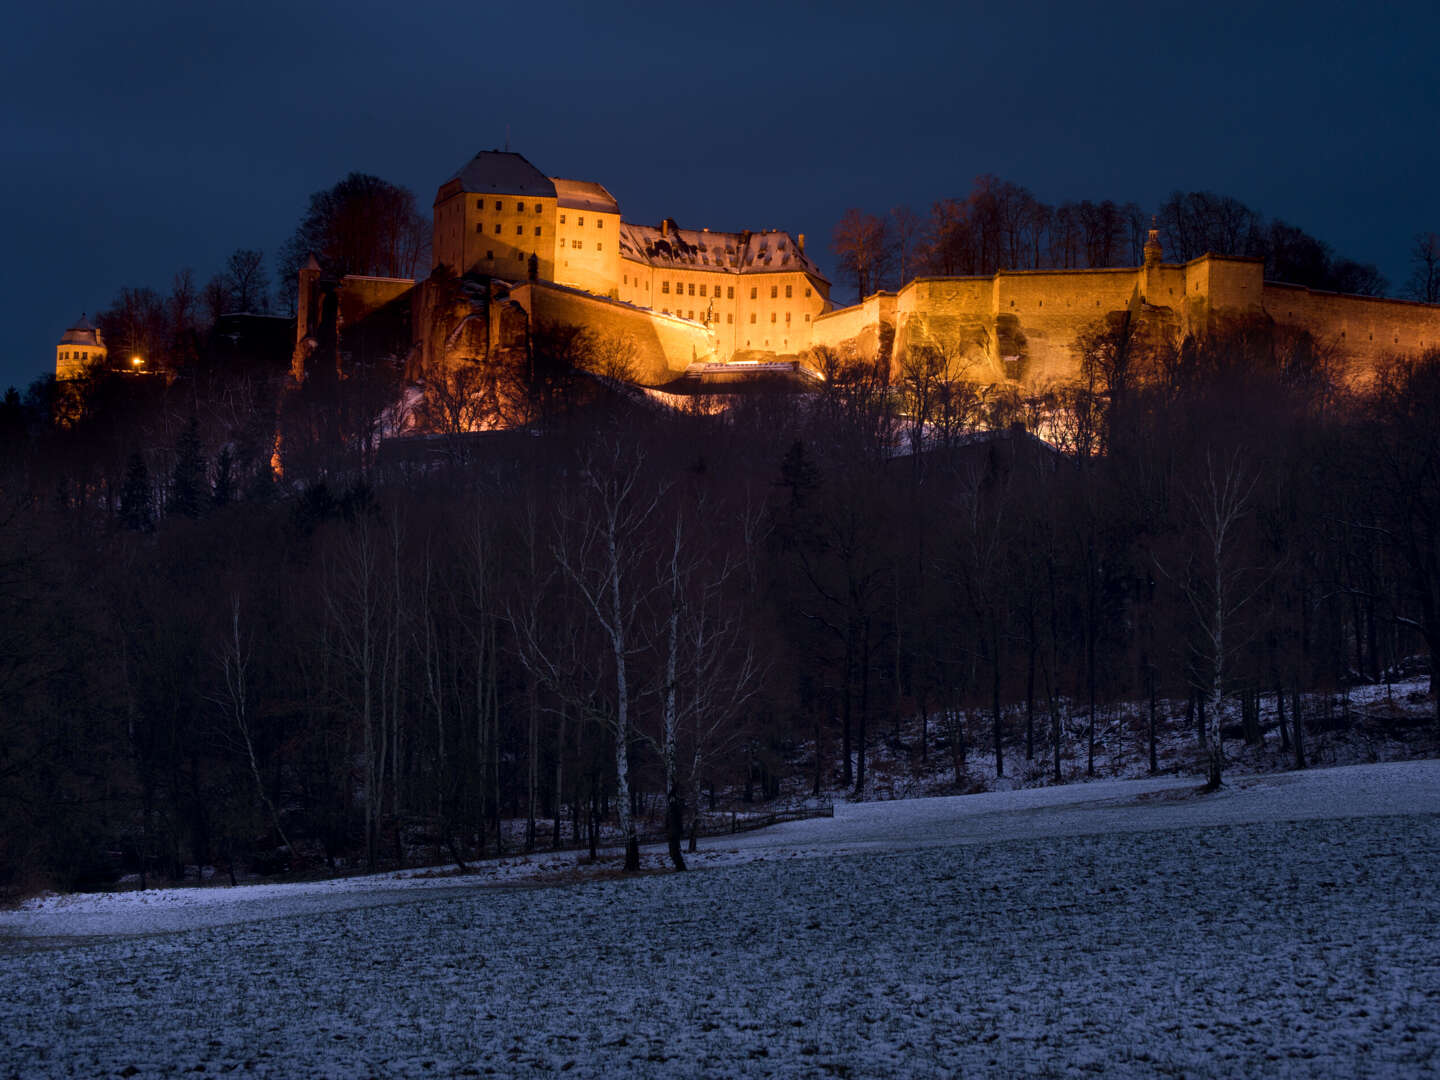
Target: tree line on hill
x,y
613,606
1001,225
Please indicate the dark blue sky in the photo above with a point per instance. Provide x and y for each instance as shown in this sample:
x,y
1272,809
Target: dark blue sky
x,y
140,138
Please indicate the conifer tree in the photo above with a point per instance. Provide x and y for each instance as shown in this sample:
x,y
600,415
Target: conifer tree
x,y
224,477
189,486
135,512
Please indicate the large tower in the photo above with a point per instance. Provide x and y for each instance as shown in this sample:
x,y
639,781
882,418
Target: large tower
x,y
79,347
494,215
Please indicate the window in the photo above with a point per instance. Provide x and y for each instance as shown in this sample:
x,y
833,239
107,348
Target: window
x,y
752,295
665,287
479,226
519,230
787,292
539,209
562,219
807,292
690,315
497,228
519,255
575,244
599,223
519,207
752,318
774,291
729,317
479,204
772,316
490,255
730,292
598,245
579,221
702,290
692,288
537,230
625,279
497,204
807,316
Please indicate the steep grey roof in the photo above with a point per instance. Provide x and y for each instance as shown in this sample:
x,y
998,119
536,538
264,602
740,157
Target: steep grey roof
x,y
585,195
499,172
82,333
769,252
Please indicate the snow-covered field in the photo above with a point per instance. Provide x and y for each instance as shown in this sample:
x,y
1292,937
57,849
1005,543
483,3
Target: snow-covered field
x,y
1288,925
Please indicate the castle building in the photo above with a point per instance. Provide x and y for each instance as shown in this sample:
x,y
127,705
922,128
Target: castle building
x,y
716,294
79,347
558,251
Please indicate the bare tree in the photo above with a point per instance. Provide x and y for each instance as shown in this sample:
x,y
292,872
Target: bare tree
x,y
863,247
603,546
1216,584
1424,284
245,278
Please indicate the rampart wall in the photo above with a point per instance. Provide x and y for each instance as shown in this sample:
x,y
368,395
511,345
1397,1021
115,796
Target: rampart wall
x,y
1023,326
857,326
664,345
1363,330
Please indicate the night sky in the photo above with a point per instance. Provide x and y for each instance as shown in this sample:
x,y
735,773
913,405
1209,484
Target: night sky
x,y
141,138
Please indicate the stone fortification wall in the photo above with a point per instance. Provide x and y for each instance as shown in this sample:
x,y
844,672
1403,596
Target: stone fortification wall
x,y
361,296
1365,331
1023,326
1039,314
664,346
856,327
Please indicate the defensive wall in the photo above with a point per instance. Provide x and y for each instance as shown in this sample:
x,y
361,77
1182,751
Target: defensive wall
x,y
1363,330
664,345
1023,326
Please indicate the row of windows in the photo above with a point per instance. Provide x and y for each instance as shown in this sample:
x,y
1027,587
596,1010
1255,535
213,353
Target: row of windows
x,y
580,221
75,356
578,244
519,229
519,206
490,255
729,316
680,288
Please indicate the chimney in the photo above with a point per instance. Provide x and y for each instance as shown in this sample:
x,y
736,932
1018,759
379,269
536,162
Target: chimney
x,y
665,227
800,241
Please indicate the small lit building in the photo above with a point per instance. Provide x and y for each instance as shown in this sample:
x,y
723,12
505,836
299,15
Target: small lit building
x,y
80,347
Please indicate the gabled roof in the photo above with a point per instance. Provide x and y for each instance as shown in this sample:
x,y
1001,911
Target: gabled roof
x,y
769,252
499,172
585,195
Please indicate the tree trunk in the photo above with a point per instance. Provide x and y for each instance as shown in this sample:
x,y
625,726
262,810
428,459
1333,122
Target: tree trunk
x,y
1154,757
1297,730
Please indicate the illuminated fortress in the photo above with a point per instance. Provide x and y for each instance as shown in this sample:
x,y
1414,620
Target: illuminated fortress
x,y
558,251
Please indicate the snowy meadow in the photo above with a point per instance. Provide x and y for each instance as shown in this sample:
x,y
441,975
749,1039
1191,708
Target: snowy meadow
x,y
1284,926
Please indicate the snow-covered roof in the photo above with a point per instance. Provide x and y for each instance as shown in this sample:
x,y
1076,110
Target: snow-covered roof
x,y
82,333
499,172
584,195
768,252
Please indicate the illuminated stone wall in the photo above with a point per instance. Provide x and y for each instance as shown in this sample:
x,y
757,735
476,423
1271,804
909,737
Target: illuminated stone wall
x,y
1023,326
663,345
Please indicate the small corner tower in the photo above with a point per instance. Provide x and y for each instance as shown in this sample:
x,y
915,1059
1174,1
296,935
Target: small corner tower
x,y
79,347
